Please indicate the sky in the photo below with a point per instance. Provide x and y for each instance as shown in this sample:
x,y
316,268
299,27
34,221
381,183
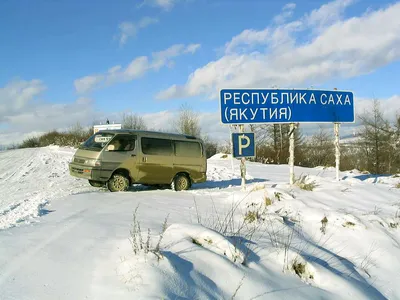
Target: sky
x,y
70,61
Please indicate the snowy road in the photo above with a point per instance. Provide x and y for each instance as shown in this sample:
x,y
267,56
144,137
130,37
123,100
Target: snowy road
x,y
44,260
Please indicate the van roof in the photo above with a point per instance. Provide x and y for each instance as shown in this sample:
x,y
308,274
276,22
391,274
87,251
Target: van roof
x,y
152,133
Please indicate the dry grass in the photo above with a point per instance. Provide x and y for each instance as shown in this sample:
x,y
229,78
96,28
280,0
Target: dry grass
x,y
298,268
303,183
324,222
349,224
138,244
267,201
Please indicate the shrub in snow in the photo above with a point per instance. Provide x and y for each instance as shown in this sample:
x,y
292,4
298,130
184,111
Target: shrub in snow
x,y
139,245
396,221
302,269
349,224
252,216
278,195
324,222
303,183
267,201
206,238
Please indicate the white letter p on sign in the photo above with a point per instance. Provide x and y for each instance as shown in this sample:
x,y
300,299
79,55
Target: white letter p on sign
x,y
241,145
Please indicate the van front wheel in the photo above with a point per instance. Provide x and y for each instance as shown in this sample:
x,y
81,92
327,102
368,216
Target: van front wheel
x,y
181,182
118,183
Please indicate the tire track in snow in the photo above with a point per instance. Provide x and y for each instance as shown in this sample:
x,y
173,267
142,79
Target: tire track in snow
x,y
66,223
19,261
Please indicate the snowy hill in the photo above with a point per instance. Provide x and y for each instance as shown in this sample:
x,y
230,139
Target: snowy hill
x,y
62,239
30,178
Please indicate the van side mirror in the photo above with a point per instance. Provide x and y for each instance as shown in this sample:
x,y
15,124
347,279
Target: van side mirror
x,y
110,148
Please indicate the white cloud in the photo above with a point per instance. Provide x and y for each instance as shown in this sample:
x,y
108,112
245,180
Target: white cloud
x,y
162,120
22,116
18,94
162,58
137,68
287,12
289,6
390,107
345,48
85,84
248,37
130,29
163,4
328,13
192,48
48,116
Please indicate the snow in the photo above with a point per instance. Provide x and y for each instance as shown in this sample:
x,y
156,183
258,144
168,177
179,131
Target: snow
x,y
221,155
62,239
31,178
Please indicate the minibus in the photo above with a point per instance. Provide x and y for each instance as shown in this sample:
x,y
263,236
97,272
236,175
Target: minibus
x,y
118,158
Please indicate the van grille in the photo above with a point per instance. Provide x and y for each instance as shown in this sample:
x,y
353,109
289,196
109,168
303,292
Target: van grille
x,y
76,170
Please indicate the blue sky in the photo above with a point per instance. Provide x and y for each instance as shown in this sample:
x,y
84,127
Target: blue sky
x,y
49,47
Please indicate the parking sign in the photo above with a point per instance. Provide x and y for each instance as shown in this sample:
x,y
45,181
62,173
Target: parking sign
x,y
243,144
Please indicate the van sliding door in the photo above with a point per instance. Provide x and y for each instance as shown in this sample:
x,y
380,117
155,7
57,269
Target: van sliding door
x,y
155,165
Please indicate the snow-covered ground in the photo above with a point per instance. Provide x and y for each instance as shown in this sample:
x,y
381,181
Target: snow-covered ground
x,y
30,178
62,239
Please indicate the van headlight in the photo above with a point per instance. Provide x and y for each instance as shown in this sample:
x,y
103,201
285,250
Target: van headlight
x,y
93,162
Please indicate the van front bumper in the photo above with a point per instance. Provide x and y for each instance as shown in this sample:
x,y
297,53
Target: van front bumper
x,y
85,172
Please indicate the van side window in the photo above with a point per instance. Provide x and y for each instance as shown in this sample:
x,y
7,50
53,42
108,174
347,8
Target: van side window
x,y
187,149
123,143
155,146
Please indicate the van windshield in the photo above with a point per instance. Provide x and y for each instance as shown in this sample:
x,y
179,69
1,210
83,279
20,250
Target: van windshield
x,y
97,141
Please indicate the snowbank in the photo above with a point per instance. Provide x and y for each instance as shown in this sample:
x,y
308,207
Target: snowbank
x,y
219,156
31,178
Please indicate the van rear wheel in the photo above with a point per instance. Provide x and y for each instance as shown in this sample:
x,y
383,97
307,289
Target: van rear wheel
x,y
181,182
118,183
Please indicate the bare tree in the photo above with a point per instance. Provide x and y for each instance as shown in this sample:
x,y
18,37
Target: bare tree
x,y
379,140
133,121
78,131
319,150
187,122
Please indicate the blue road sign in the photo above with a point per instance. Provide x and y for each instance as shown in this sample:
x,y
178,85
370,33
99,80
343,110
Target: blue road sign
x,y
243,144
244,106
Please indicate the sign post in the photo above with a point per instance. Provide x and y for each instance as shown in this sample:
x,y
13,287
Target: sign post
x,y
231,145
291,153
337,150
243,146
243,160
288,106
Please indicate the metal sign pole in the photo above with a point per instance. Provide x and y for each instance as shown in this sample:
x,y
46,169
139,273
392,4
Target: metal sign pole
x,y
243,164
291,152
337,150
233,169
